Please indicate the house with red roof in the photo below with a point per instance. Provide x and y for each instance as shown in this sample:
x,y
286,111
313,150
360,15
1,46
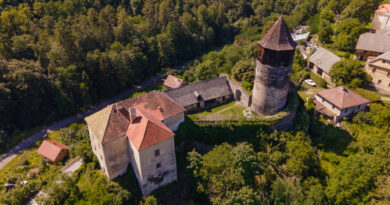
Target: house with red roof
x,y
138,131
336,103
53,151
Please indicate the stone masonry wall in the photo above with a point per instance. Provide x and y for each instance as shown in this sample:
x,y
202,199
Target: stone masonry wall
x,y
270,88
240,94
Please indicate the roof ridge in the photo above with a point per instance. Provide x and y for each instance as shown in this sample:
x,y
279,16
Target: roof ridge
x,y
143,133
106,124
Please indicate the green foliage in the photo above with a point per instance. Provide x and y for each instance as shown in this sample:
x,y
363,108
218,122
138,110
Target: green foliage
x,y
352,179
318,80
314,23
244,70
21,194
361,10
325,33
150,200
350,73
368,94
224,170
247,85
348,32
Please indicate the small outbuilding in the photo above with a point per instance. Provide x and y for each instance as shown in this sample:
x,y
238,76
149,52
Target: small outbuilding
x,y
321,62
336,103
53,151
172,82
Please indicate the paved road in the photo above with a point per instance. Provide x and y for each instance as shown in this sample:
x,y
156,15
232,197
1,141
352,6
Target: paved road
x,y
7,157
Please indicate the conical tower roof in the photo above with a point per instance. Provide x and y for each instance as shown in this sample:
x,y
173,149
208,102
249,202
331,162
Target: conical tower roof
x,y
278,37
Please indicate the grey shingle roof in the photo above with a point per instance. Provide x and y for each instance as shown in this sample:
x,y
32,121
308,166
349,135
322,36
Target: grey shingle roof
x,y
376,42
385,56
324,59
207,90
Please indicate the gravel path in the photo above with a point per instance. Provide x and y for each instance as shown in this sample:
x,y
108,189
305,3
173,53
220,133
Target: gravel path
x,y
7,157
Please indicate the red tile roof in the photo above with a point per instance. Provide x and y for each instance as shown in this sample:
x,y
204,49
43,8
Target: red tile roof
x,y
157,104
147,131
384,8
278,37
173,82
50,149
342,97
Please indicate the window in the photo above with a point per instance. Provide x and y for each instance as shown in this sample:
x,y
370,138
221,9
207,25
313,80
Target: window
x,y
373,70
389,84
383,61
364,51
158,165
157,153
388,74
379,82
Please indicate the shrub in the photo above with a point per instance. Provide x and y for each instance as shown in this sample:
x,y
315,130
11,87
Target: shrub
x,y
246,85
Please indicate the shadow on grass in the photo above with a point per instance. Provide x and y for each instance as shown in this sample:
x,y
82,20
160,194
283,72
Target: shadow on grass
x,y
330,138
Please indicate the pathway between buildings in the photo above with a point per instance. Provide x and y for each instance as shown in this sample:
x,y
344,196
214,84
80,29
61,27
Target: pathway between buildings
x,y
7,157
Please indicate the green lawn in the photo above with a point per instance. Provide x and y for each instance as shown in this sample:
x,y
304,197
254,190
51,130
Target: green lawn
x,y
233,111
307,91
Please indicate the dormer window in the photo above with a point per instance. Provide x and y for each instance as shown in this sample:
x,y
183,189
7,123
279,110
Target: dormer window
x,y
157,153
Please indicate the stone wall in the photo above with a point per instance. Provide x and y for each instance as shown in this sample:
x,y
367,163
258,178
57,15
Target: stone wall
x,y
270,88
285,123
154,177
240,94
174,122
117,157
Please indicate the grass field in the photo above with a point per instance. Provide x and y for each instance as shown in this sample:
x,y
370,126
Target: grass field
x,y
233,111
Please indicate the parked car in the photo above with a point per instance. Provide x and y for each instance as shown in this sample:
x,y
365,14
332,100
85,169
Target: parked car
x,y
310,82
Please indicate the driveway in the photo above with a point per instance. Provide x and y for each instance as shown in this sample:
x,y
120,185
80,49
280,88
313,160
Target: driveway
x,y
7,157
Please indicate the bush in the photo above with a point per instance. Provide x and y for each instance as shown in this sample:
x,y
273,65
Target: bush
x,y
350,73
246,85
21,194
244,70
317,79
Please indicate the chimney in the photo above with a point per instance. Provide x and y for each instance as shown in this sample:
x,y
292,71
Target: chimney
x,y
133,114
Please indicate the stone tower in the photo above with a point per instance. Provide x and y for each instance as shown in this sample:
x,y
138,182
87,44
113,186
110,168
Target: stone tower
x,y
273,69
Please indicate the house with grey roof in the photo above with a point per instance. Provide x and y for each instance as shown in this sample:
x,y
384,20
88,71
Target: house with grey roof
x,y
379,70
321,62
372,44
202,94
